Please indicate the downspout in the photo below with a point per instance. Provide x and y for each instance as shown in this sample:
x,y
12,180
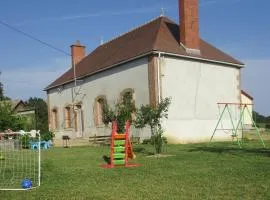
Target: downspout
x,y
158,78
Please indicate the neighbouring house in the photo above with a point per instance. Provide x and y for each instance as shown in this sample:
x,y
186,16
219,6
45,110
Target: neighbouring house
x,y
16,105
248,113
19,107
155,60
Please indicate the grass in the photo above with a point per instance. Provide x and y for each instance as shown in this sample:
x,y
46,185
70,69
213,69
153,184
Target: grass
x,y
197,171
253,135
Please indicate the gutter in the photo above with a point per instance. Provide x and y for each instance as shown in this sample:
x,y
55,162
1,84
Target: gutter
x,y
158,78
199,59
146,54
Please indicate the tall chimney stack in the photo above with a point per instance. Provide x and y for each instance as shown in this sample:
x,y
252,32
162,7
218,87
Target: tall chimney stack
x,y
189,25
77,53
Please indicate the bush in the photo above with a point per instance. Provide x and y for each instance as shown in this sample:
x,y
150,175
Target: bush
x,y
146,141
25,141
152,116
267,126
46,136
121,113
153,139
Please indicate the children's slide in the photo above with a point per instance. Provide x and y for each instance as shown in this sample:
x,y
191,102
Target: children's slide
x,y
131,154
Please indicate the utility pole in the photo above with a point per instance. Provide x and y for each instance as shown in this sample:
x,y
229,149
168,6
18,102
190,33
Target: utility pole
x,y
35,116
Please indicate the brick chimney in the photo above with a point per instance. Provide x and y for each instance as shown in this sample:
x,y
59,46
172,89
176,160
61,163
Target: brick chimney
x,y
189,25
77,52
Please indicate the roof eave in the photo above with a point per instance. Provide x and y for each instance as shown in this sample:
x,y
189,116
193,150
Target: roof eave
x,y
201,59
98,71
143,55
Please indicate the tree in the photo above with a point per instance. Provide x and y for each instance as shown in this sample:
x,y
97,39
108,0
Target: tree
x,y
1,92
152,116
9,120
41,113
121,113
2,95
258,118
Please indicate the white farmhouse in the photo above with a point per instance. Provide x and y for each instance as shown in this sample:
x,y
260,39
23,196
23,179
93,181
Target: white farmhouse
x,y
156,60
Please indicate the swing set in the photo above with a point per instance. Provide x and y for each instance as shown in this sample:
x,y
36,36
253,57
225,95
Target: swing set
x,y
236,120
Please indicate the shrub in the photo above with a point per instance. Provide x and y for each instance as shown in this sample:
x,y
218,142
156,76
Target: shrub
x,y
46,136
121,113
9,119
25,141
146,141
152,116
267,126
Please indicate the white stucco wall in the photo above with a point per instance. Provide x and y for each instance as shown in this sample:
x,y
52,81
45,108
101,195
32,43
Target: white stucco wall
x,y
196,88
109,83
247,112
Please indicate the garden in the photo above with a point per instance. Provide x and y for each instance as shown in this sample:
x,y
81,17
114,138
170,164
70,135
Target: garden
x,y
194,171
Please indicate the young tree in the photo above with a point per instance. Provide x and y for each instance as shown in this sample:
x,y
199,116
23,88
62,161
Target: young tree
x,y
152,116
41,112
121,113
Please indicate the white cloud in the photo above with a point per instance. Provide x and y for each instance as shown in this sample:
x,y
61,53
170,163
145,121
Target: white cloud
x,y
153,9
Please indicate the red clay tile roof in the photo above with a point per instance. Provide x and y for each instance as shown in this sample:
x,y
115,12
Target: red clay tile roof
x,y
161,34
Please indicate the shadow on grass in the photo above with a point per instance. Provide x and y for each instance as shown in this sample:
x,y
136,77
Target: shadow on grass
x,y
107,159
142,150
232,150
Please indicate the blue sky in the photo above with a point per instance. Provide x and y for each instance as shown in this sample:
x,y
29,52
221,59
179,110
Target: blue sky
x,y
239,27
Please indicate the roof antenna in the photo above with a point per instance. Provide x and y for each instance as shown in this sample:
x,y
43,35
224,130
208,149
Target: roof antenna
x,y
162,12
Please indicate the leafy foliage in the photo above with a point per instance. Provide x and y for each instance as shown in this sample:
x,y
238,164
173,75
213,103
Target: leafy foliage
x,y
46,136
25,141
9,120
258,118
145,116
2,94
122,112
152,116
41,110
152,140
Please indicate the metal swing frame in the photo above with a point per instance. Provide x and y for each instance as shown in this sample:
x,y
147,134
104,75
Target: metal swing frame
x,y
236,128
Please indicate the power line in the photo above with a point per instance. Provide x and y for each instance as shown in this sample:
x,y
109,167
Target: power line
x,y
33,38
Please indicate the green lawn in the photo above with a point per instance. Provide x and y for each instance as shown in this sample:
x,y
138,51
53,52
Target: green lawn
x,y
252,135
201,171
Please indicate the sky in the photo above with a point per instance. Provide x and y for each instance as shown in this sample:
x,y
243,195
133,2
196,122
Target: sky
x,y
241,28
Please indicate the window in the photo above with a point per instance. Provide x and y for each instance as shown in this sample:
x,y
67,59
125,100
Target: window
x,y
67,117
99,110
54,120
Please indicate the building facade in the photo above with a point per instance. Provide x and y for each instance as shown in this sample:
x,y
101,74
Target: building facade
x,y
156,60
